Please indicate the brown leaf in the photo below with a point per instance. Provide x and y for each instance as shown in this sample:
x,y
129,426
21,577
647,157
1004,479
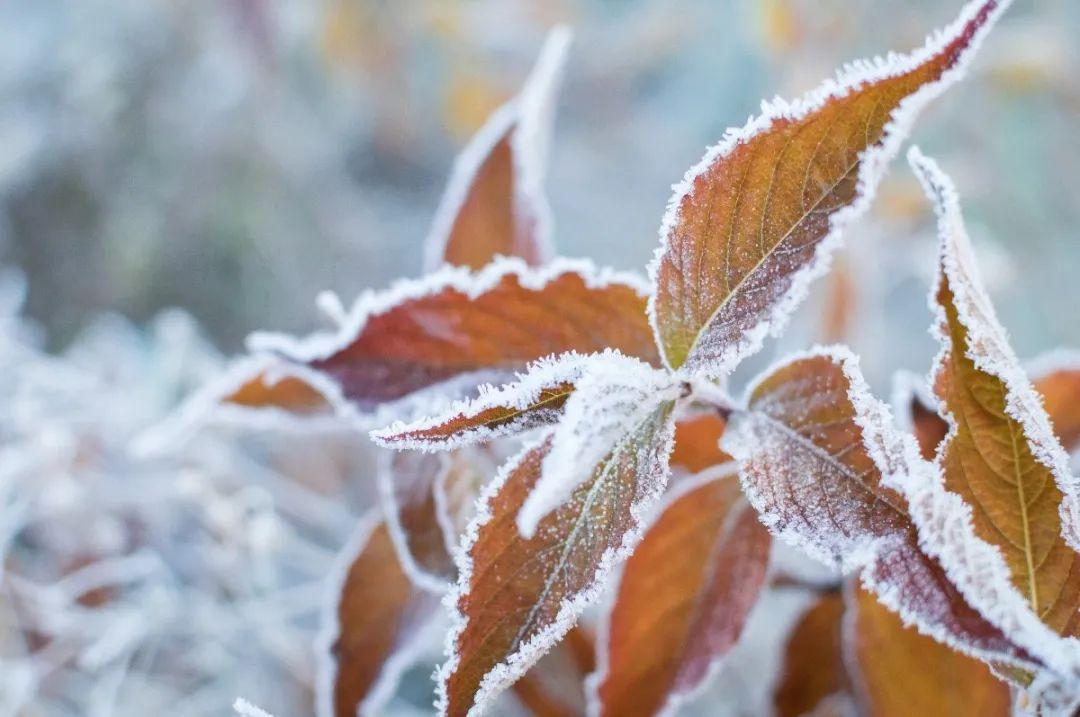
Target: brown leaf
x,y
415,487
802,447
683,598
749,226
518,596
537,398
494,204
375,619
813,669
697,442
291,394
901,672
473,327
1003,459
555,686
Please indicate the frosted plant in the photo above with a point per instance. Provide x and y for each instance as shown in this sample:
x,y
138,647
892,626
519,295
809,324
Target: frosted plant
x,y
599,387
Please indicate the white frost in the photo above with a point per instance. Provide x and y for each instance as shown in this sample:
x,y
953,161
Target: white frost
x,y
614,394
520,394
873,163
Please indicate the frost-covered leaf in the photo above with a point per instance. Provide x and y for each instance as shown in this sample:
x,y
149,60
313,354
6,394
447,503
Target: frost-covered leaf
x,y
814,451
517,596
495,202
1001,456
535,399
683,599
374,622
756,219
697,442
471,327
813,672
554,686
612,397
1057,379
900,672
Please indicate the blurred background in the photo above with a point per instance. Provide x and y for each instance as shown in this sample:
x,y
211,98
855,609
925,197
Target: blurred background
x,y
233,158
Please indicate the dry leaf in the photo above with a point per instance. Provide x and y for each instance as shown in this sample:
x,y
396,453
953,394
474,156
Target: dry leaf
x,y
373,624
472,327
813,670
901,672
515,596
752,223
683,599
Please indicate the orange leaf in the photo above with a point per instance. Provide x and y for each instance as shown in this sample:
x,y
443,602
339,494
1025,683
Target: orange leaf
x,y
375,620
1002,458
697,442
1059,385
802,447
472,327
494,204
813,671
751,224
516,597
904,673
554,686
683,599
412,485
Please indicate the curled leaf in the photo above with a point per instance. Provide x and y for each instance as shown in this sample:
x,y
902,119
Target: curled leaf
x,y
814,450
900,672
517,596
813,672
374,623
495,203
753,223
456,325
683,599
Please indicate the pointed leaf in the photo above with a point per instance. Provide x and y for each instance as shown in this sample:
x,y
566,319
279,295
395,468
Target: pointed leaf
x,y
901,672
536,398
495,203
515,596
813,672
754,221
697,442
683,599
814,450
916,412
373,625
554,686
1000,456
472,328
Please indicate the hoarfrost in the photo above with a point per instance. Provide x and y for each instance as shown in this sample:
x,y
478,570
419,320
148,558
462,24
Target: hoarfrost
x,y
614,394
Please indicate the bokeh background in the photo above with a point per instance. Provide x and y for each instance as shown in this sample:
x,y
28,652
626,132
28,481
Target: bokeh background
x,y
233,158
